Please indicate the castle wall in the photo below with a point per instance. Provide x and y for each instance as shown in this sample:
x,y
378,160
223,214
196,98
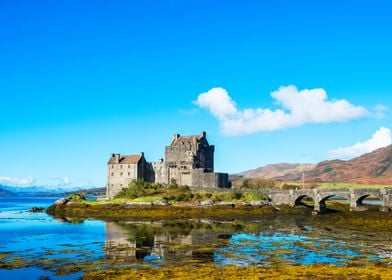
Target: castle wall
x,y
205,157
179,156
202,179
120,175
159,172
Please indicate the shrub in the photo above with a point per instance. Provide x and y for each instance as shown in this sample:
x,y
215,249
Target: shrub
x,y
258,183
236,195
137,188
77,197
286,186
208,195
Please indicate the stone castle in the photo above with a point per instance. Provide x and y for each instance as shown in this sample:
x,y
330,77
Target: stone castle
x,y
189,161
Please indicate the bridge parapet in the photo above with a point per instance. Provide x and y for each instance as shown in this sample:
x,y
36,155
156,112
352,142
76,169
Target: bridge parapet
x,y
354,195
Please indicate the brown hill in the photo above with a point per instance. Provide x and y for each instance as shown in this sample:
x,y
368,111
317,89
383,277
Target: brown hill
x,y
370,168
271,171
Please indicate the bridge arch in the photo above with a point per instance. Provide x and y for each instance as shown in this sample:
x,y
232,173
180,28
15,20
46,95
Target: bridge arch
x,y
368,198
304,200
341,197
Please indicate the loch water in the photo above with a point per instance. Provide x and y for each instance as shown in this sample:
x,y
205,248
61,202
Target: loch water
x,y
36,245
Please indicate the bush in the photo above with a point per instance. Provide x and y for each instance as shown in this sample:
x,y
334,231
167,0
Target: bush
x,y
236,195
184,197
138,188
286,186
208,195
77,197
258,183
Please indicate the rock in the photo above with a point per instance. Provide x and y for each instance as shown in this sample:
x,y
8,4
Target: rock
x,y
208,202
225,204
160,203
71,202
110,203
132,203
61,201
37,209
258,203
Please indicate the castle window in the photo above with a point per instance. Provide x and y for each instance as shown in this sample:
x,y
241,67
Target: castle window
x,y
112,173
121,174
129,166
121,166
129,173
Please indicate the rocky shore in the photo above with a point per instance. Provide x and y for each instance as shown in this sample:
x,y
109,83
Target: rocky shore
x,y
159,210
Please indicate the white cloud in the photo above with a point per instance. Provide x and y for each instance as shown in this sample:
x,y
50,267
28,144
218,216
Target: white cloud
x,y
381,138
13,181
60,182
188,111
297,108
380,111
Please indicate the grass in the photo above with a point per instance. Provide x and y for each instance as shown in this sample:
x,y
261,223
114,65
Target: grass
x,y
333,185
350,185
234,272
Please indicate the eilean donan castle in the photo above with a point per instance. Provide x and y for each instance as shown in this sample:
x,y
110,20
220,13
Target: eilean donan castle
x,y
189,161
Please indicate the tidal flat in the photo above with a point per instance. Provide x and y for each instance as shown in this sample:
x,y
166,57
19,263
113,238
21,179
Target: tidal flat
x,y
195,243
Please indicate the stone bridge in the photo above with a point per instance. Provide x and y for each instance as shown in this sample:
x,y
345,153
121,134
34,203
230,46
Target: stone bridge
x,y
354,195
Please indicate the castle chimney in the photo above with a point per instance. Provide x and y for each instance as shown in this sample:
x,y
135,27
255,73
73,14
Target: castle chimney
x,y
117,156
204,134
176,136
142,154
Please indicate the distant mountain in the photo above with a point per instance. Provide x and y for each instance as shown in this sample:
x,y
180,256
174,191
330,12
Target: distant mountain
x,y
4,192
91,192
46,191
370,168
271,171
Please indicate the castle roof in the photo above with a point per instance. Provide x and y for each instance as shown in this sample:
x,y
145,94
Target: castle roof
x,y
182,140
126,159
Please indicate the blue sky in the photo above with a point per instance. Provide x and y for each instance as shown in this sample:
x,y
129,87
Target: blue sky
x,y
82,79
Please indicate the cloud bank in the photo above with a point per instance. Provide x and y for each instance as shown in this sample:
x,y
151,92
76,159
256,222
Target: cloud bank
x,y
59,182
381,138
297,108
13,181
30,181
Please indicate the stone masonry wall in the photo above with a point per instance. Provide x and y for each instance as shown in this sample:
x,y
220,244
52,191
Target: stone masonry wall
x,y
119,176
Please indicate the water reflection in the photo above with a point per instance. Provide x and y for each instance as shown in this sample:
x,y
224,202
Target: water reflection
x,y
162,242
237,243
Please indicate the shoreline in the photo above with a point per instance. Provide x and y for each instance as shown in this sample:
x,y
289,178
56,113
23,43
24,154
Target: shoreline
x,y
324,271
123,211
120,211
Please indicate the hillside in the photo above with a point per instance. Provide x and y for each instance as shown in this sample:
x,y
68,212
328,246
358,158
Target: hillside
x,y
4,192
370,168
271,171
44,191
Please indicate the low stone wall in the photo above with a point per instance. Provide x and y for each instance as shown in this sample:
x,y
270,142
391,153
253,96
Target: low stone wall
x,y
202,179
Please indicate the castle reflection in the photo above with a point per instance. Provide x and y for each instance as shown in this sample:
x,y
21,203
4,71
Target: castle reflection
x,y
138,242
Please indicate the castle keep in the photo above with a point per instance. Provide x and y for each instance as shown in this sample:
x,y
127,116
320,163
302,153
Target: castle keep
x,y
189,161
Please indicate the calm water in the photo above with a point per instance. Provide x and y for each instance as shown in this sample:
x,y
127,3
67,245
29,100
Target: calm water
x,y
63,248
